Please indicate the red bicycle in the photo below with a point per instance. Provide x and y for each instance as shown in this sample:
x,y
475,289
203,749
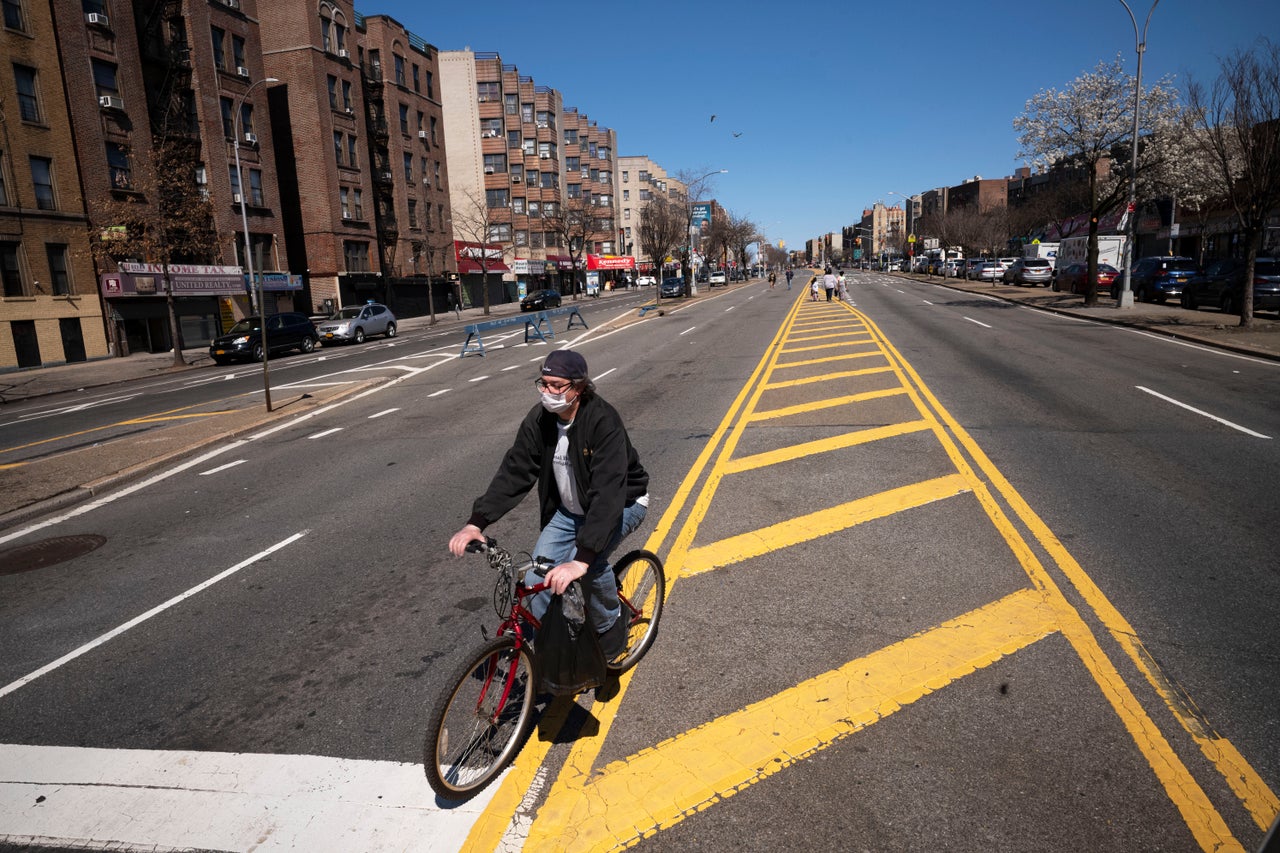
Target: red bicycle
x,y
482,717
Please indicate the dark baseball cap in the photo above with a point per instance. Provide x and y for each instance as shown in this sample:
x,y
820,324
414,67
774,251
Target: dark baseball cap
x,y
565,364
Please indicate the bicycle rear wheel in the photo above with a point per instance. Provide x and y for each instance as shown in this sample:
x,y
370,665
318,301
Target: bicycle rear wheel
x,y
642,589
480,720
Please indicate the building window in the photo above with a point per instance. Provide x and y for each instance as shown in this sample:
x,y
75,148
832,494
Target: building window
x,y
435,126
531,177
408,168
486,92
522,237
517,205
497,198
404,119
425,180
255,188
351,152
246,118
571,164
626,176
4,192
490,128
235,183
510,104
570,136
431,84
326,34
535,209
437,168
219,54
42,179
626,195
13,16
416,83
59,275
104,78
28,95
228,122
421,117
118,166
550,180
500,232
355,255
11,270
574,190
357,203
413,211
340,36
544,119
344,201
333,91
237,52
526,113
495,163
346,95
398,62
536,241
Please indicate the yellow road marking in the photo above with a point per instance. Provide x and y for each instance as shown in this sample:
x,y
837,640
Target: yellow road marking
x,y
857,333
829,403
822,445
660,786
145,419
824,522
826,377
813,361
816,347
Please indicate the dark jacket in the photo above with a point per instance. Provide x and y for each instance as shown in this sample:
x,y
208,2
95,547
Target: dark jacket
x,y
606,468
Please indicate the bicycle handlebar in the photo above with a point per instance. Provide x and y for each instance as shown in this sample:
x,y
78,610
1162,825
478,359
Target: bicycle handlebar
x,y
489,547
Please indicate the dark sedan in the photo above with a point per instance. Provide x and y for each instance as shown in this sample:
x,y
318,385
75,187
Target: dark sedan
x,y
1075,278
243,341
1158,279
673,286
540,300
1222,285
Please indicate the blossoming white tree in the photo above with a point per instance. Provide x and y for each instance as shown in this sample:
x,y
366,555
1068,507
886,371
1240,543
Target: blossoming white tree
x,y
1088,126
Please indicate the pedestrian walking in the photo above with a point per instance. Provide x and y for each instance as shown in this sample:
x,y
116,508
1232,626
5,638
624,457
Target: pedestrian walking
x,y
773,279
814,285
790,275
829,283
844,291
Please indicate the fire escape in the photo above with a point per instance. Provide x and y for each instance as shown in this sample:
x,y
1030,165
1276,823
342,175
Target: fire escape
x,y
380,158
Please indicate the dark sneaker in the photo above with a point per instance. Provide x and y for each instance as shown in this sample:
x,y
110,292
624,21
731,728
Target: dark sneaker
x,y
613,640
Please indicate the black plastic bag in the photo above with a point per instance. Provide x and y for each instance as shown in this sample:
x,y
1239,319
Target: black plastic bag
x,y
569,656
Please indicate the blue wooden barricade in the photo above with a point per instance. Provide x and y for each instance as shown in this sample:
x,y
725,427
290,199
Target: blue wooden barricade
x,y
536,326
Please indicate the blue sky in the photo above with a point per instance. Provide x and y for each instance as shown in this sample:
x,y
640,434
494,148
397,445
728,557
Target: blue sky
x,y
838,102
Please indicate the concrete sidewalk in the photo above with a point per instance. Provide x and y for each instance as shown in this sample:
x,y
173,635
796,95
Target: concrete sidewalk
x,y
1208,327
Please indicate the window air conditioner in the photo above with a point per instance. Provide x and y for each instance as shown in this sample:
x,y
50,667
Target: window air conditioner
x,y
346,215
544,156
235,198
111,102
98,19
232,4
488,170
342,53
426,182
349,111
515,179
422,134
251,138
242,71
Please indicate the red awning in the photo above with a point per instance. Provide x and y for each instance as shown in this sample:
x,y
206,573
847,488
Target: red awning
x,y
467,266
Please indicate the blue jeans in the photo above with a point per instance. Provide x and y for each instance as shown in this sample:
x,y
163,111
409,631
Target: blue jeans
x,y
558,543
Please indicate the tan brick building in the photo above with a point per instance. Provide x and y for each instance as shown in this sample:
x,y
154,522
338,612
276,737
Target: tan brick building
x,y
49,308
639,180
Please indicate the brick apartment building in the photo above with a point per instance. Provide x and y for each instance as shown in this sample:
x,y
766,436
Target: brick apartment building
x,y
49,308
882,232
640,180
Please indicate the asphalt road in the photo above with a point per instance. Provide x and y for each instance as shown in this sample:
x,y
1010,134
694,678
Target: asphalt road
x,y
941,576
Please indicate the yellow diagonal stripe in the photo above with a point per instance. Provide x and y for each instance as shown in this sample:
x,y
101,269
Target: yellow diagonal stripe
x,y
829,403
827,377
822,445
678,777
793,531
809,362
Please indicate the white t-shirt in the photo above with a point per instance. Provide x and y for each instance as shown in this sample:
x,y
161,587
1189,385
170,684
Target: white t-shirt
x,y
563,468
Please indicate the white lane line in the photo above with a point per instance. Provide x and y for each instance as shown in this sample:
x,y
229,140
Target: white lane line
x,y
223,467
983,325
438,393
80,407
730,308
1222,421
603,375
479,378
926,301
1202,348
138,620
189,800
384,412
687,331
512,367
326,432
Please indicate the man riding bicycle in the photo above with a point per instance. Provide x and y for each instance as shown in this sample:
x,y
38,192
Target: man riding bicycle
x,y
592,491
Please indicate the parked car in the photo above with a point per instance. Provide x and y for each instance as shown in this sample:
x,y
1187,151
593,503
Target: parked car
x,y
954,268
1075,278
354,324
971,267
1030,271
646,281
540,300
718,277
1222,285
989,271
1006,262
243,341
1158,279
673,286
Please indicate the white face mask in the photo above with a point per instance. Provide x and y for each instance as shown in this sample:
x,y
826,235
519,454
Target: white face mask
x,y
555,403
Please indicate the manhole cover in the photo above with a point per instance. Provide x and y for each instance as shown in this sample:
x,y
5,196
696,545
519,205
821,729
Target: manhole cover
x,y
47,552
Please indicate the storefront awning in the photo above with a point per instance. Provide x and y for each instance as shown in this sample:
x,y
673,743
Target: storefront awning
x,y
610,262
467,266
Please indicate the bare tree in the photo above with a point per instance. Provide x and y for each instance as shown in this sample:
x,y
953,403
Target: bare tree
x,y
157,214
696,186
662,229
475,222
574,222
742,232
1239,116
1089,126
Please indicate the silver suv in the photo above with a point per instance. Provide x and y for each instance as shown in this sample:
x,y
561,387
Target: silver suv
x,y
358,322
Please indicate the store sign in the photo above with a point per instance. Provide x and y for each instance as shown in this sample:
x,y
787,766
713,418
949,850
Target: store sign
x,y
520,266
701,214
610,262
184,279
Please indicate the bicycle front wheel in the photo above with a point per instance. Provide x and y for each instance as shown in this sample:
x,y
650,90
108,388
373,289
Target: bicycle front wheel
x,y
642,589
481,719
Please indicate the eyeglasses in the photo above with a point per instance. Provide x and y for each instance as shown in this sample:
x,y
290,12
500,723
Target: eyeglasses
x,y
558,388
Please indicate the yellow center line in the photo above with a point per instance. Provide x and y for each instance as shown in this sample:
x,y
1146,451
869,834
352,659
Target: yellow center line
x,y
631,799
145,419
815,525
830,403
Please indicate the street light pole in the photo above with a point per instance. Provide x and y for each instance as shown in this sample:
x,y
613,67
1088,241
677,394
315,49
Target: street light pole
x,y
697,184
248,248
1131,212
